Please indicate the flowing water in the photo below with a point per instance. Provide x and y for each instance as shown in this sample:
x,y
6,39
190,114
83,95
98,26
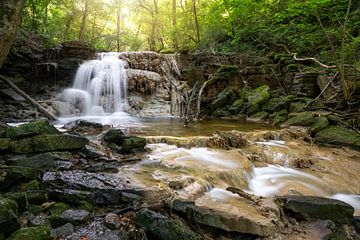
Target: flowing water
x,y
265,168
100,87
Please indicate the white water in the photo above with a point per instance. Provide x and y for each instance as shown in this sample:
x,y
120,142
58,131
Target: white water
x,y
100,87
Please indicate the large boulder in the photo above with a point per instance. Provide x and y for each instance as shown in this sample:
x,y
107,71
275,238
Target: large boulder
x,y
309,207
319,124
237,106
18,174
48,142
338,136
9,221
226,97
300,119
31,129
117,141
163,227
232,218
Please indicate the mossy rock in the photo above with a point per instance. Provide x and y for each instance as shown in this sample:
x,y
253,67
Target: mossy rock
x,y
319,124
31,129
222,112
254,108
44,161
237,106
297,106
84,205
58,208
32,185
18,174
117,141
259,95
279,117
225,97
163,227
274,105
115,136
337,135
47,143
32,233
260,115
4,144
300,119
23,199
9,221
133,144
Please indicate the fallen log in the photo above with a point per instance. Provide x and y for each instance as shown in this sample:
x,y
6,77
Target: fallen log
x,y
41,109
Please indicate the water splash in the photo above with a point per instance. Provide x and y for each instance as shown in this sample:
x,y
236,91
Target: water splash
x,y
100,86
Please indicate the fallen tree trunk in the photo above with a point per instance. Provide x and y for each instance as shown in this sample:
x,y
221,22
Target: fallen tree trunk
x,y
41,109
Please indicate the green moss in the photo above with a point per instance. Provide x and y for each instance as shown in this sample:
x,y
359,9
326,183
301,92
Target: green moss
x,y
58,208
320,123
4,144
300,119
32,185
31,129
32,233
339,136
84,205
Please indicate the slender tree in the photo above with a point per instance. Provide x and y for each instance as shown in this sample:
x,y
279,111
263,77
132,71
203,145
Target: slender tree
x,y
174,23
197,29
83,21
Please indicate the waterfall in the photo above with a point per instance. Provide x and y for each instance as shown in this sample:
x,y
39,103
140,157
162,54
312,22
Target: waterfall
x,y
100,86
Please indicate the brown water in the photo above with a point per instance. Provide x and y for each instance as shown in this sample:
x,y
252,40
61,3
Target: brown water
x,y
175,127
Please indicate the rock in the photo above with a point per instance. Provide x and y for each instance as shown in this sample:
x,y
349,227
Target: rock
x,y
58,208
357,223
319,124
62,108
38,220
300,119
228,140
297,106
9,221
254,108
18,175
260,115
163,227
244,219
44,161
47,143
274,105
112,221
280,117
237,106
95,230
117,141
259,95
323,82
83,126
4,144
63,231
24,198
227,96
74,216
338,136
305,84
31,129
32,185
96,188
222,112
305,207
32,233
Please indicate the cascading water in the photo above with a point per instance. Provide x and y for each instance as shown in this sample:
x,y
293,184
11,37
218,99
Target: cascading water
x,y
100,86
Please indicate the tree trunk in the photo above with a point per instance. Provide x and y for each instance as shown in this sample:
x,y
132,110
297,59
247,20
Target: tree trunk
x,y
152,40
118,22
83,21
174,18
196,20
10,14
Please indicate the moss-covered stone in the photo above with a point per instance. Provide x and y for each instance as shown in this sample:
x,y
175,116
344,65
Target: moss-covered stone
x,y
237,106
133,144
259,95
320,123
260,115
4,144
18,174
117,141
226,97
8,216
300,119
58,208
44,161
31,129
84,205
32,185
274,105
338,136
163,227
23,199
297,106
47,143
280,117
254,108
221,112
32,233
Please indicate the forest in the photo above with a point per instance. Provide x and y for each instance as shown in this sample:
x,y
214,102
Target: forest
x,y
179,119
